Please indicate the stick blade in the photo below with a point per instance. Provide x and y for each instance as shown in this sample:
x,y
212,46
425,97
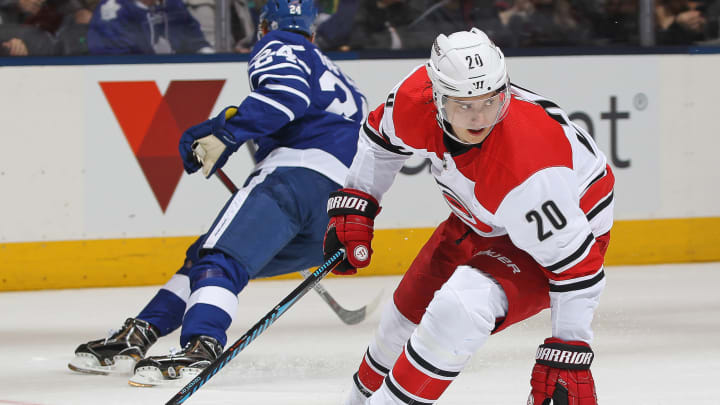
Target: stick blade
x,y
353,317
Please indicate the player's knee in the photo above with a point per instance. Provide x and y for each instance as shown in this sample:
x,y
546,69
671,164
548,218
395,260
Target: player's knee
x,y
460,317
392,333
192,254
220,270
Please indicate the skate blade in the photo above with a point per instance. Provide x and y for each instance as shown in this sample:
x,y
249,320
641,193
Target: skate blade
x,y
147,377
88,364
84,370
134,383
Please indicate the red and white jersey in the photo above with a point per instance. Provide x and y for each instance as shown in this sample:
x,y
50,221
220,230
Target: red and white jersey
x,y
537,177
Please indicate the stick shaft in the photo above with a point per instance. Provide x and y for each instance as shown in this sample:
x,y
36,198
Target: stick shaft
x,y
226,180
249,336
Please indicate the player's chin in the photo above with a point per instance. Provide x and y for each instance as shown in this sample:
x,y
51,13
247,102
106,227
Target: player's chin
x,y
475,135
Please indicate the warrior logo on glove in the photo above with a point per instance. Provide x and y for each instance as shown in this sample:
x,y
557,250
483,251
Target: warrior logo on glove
x,y
361,253
562,374
350,203
352,218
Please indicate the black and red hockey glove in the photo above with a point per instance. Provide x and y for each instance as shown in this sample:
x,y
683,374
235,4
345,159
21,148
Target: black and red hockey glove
x,y
562,374
352,218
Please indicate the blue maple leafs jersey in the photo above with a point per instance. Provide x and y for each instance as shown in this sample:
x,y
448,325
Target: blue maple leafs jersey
x,y
302,110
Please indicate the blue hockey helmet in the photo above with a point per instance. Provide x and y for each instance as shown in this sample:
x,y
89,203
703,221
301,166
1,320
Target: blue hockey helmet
x,y
289,15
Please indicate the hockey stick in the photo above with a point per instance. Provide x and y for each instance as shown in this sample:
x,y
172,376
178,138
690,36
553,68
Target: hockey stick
x,y
349,317
257,329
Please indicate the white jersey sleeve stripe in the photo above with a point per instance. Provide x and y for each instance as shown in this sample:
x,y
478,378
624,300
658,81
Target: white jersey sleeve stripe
x,y
305,66
288,89
274,104
275,67
258,53
262,78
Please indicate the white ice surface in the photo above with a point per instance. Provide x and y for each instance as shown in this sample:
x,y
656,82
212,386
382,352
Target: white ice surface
x,y
657,341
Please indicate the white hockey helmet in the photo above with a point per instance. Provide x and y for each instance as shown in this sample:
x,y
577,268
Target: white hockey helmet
x,y
464,67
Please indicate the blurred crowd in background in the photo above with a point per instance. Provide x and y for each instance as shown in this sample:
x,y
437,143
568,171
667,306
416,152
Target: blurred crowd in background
x,y
95,27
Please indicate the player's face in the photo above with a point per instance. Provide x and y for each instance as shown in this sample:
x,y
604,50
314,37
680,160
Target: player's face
x,y
474,113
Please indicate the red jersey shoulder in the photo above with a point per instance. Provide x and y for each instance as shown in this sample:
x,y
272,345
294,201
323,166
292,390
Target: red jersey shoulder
x,y
375,117
414,113
527,141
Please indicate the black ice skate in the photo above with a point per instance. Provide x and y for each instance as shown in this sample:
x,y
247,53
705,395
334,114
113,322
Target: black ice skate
x,y
178,367
117,353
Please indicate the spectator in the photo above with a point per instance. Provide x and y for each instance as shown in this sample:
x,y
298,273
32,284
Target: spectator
x,y
448,16
26,27
711,11
618,24
328,7
377,22
72,35
679,22
145,26
712,14
335,31
544,23
244,26
242,22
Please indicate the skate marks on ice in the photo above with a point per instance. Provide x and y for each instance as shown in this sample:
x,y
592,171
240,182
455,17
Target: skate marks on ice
x,y
651,320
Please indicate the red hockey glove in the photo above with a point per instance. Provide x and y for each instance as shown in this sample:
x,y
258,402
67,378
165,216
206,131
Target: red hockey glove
x,y
562,374
352,218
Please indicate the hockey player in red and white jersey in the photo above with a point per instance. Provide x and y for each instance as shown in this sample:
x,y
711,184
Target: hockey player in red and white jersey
x,y
532,206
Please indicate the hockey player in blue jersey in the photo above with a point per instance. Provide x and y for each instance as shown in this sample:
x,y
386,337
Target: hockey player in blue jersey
x,y
304,116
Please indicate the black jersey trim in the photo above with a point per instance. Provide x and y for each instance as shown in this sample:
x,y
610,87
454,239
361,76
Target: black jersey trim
x,y
457,148
375,364
401,395
382,142
579,252
545,104
601,206
595,180
580,285
584,141
364,391
427,366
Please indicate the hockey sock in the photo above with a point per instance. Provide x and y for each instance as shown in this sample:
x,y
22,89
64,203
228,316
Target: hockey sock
x,y
413,380
165,310
370,375
213,301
